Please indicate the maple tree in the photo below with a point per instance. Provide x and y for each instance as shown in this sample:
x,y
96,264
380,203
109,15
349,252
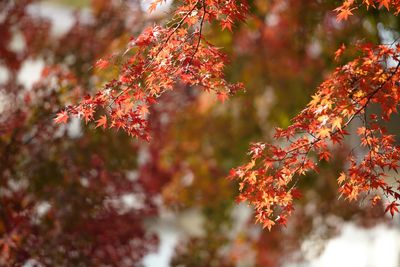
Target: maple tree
x,y
165,55
269,180
159,58
161,88
60,199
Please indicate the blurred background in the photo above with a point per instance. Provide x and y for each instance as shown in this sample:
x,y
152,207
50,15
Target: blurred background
x,y
72,195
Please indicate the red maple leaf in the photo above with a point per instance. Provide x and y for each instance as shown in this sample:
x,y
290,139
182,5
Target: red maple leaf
x,y
392,208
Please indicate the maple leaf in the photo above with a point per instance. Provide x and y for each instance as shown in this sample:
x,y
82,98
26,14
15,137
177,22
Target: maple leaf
x,y
62,117
128,106
392,208
384,3
88,114
341,178
268,224
343,13
361,131
281,220
226,24
153,6
296,193
143,109
102,122
324,133
337,123
101,64
323,119
324,155
222,96
315,101
339,52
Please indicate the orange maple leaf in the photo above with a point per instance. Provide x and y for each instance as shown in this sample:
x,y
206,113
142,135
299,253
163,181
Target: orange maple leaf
x,y
143,109
62,117
344,13
341,178
339,52
102,122
222,96
384,3
101,64
268,224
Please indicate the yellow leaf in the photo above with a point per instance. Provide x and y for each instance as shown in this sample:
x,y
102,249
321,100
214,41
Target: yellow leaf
x,y
315,100
324,132
337,123
341,178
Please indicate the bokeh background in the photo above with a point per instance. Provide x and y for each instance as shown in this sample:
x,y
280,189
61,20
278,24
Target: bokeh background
x,y
73,195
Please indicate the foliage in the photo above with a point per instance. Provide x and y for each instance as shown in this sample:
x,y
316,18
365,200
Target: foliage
x,y
267,181
343,97
60,197
157,88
